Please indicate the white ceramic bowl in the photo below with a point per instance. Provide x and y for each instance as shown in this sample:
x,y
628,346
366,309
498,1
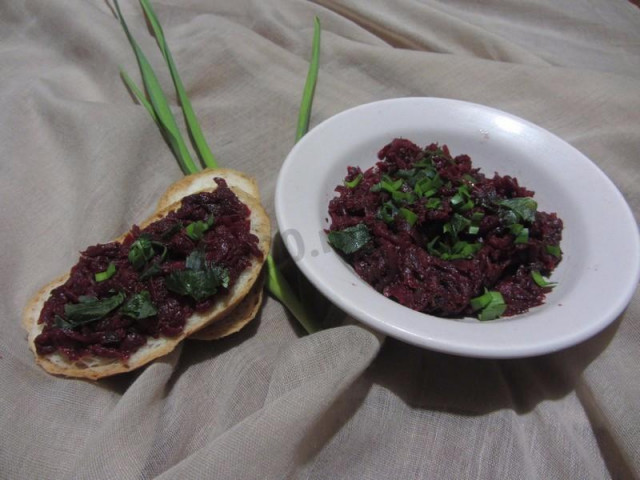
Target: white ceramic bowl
x,y
596,278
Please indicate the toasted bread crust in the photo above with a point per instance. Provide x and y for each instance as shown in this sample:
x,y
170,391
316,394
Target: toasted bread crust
x,y
202,181
237,318
99,367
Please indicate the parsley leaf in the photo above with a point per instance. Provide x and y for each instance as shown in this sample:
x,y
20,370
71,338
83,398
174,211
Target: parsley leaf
x,y
90,309
351,239
140,252
199,279
139,306
523,208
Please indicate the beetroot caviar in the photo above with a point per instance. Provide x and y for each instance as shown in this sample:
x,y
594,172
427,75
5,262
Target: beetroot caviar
x,y
214,225
434,233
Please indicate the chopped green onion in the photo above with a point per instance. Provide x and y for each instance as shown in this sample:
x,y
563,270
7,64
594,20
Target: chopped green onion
x,y
195,230
469,178
456,199
462,199
390,185
476,217
456,225
541,281
409,216
553,250
107,274
520,232
355,182
408,197
491,305
433,203
387,212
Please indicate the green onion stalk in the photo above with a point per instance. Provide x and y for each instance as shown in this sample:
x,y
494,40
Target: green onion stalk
x,y
158,108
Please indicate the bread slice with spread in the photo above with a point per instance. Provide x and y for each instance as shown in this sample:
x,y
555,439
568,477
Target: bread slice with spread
x,y
125,303
248,307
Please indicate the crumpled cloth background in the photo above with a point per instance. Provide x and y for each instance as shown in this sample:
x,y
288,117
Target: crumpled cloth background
x,y
81,162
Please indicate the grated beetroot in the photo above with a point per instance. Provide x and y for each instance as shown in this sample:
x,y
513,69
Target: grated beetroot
x,y
397,261
228,243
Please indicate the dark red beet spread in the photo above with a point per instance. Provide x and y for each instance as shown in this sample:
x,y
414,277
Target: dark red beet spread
x,y
226,246
436,233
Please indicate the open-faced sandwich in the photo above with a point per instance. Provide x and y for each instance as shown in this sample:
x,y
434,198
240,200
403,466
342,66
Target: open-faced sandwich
x,y
192,269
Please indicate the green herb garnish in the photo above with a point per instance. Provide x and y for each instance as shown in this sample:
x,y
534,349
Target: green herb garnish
x,y
387,184
428,186
195,230
350,239
387,212
491,305
520,232
107,274
141,251
524,209
540,280
139,306
433,203
199,280
409,216
456,225
90,309
553,250
355,182
460,250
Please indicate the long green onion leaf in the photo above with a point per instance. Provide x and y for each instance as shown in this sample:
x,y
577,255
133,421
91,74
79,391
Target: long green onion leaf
x,y
140,96
206,157
159,110
276,283
279,287
159,103
310,85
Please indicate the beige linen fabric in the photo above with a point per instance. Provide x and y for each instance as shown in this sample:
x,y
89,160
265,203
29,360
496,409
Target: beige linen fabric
x,y
81,161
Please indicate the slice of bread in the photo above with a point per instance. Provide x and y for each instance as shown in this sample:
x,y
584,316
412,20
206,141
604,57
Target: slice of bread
x,y
99,367
247,308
